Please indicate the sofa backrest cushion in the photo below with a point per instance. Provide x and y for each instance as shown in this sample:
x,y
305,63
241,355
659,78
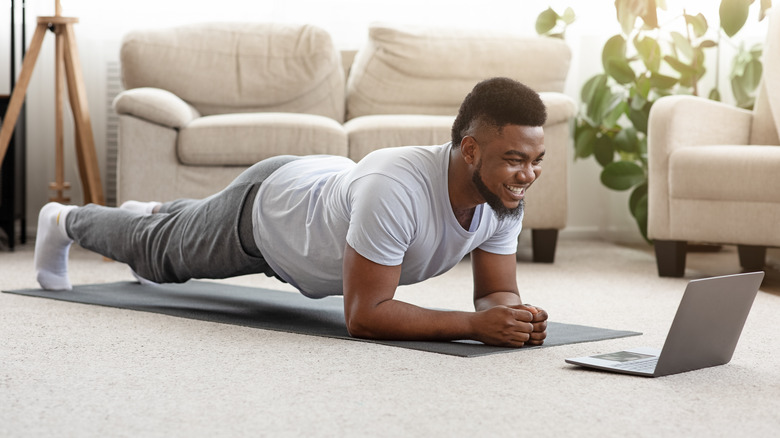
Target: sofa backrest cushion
x,y
239,67
429,70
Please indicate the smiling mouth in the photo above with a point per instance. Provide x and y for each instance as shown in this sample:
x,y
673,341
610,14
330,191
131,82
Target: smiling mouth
x,y
517,191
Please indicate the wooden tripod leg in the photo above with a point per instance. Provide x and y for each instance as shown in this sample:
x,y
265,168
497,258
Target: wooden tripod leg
x,y
17,97
59,185
85,143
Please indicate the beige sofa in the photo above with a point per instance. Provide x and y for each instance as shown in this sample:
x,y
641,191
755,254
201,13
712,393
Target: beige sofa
x,y
205,101
715,171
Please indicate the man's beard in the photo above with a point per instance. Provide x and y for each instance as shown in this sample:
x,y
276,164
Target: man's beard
x,y
493,200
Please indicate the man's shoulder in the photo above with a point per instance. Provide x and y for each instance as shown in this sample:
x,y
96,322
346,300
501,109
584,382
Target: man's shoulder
x,y
404,161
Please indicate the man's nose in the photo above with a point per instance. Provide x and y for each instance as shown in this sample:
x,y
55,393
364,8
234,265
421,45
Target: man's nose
x,y
525,174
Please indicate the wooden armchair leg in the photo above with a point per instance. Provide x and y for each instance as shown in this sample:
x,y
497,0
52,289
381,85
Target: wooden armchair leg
x,y
670,257
751,258
544,242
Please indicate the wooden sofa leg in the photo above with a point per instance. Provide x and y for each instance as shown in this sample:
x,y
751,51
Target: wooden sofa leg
x,y
544,242
670,257
751,257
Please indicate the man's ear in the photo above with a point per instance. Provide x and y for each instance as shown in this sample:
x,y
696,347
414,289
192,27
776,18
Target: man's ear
x,y
469,149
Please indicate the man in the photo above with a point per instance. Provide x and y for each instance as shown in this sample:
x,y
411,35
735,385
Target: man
x,y
329,226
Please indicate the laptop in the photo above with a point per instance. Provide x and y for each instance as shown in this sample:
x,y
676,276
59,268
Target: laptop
x,y
704,332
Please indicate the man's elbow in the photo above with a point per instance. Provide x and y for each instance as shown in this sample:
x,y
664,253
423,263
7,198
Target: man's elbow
x,y
360,328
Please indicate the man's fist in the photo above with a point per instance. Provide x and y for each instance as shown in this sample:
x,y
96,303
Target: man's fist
x,y
504,326
539,323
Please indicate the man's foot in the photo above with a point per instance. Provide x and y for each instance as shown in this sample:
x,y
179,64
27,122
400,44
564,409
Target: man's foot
x,y
52,245
144,208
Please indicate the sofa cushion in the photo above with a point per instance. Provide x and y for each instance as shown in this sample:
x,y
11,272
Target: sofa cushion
x,y
239,67
428,70
725,173
369,133
244,139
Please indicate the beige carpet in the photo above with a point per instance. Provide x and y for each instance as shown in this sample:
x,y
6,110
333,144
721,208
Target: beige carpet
x,y
87,371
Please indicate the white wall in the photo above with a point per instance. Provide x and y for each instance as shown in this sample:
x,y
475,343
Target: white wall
x,y
593,209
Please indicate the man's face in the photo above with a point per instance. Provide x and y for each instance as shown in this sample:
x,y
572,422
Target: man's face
x,y
506,166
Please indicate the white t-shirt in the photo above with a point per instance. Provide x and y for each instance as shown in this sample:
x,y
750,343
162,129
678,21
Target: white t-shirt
x,y
392,207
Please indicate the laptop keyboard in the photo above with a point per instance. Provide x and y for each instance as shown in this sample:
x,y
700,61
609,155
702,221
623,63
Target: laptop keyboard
x,y
638,365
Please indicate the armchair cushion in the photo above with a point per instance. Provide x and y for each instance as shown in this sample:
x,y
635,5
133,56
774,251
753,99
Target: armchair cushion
x,y
707,172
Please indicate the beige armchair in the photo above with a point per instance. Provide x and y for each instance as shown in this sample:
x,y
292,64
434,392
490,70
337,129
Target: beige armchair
x,y
203,102
715,171
407,83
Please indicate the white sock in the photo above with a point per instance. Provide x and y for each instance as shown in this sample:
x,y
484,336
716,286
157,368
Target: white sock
x,y
140,207
144,208
52,245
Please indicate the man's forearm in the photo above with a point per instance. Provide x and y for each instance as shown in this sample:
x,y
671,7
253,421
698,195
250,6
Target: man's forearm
x,y
497,299
398,320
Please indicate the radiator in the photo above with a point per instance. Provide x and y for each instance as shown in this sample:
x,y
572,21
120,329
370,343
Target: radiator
x,y
113,88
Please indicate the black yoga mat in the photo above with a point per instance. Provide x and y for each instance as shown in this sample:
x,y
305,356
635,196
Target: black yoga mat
x,y
281,311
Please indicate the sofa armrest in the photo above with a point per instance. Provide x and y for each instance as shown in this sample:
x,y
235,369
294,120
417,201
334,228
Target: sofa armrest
x,y
680,121
155,105
560,107
690,121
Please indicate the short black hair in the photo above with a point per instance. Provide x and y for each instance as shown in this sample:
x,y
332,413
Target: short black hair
x,y
498,102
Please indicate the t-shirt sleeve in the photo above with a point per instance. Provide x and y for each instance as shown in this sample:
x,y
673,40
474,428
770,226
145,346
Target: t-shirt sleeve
x,y
382,219
504,239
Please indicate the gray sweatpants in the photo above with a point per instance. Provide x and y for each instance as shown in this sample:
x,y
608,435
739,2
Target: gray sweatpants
x,y
188,238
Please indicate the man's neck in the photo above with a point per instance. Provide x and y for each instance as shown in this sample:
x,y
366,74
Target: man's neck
x,y
460,190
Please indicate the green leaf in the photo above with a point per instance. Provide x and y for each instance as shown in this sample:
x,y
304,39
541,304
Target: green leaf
x,y
568,16
546,21
602,101
639,208
603,150
643,150
620,71
593,86
682,44
622,175
643,86
639,118
742,95
679,65
627,141
698,23
614,49
663,82
626,14
637,202
733,15
611,118
706,44
714,94
650,52
584,141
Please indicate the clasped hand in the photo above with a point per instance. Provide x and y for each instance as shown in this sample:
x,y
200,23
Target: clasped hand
x,y
511,326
